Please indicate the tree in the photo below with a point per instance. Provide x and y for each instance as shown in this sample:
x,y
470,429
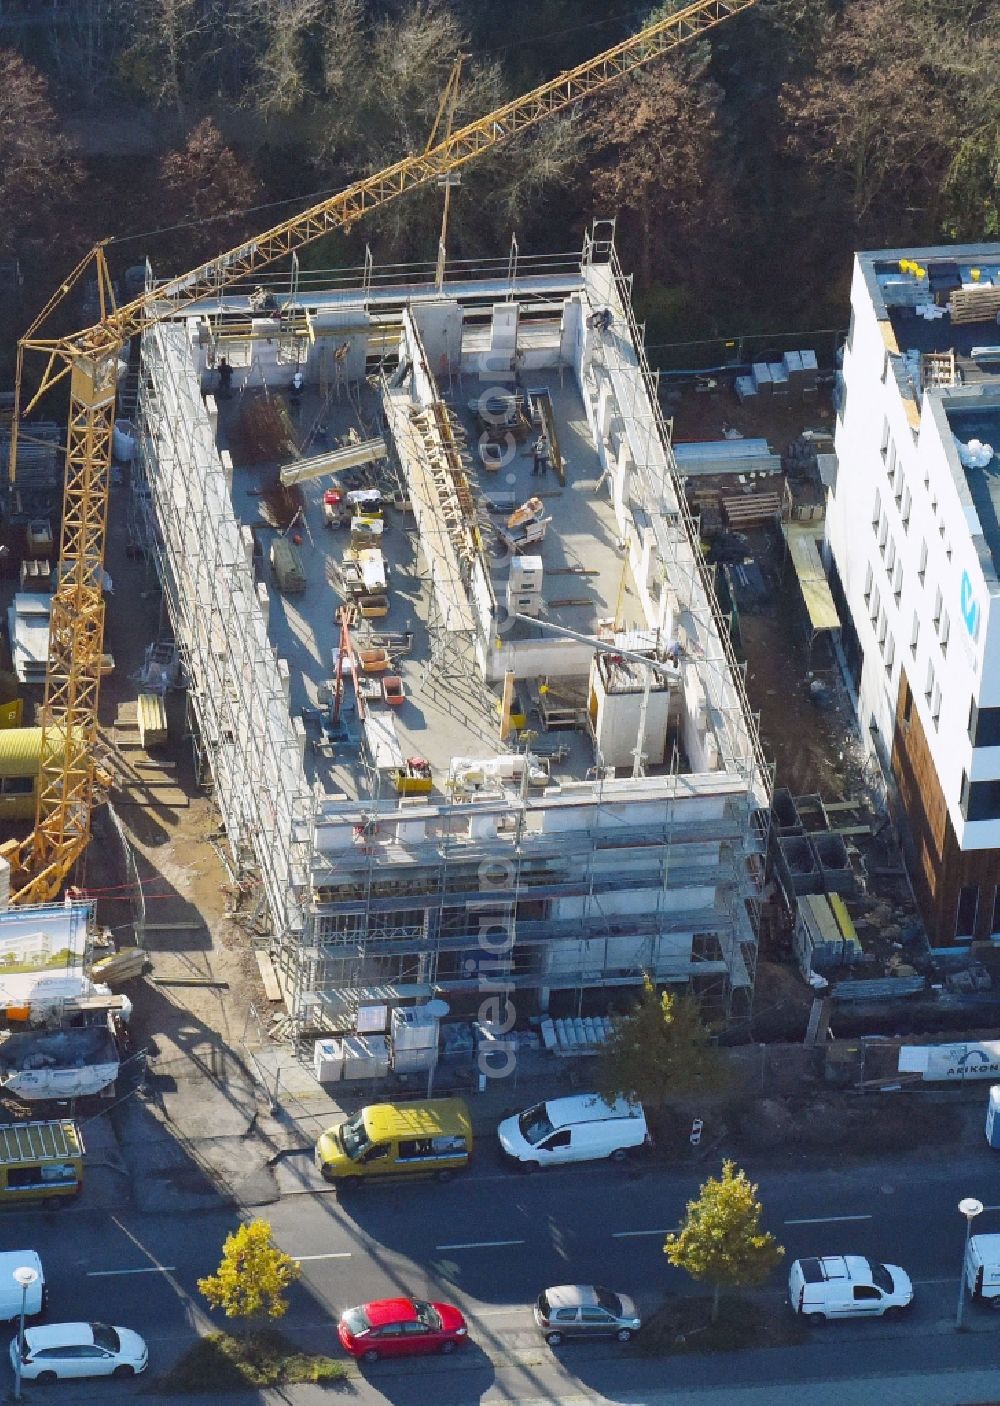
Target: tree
x,y
38,173
253,1275
205,184
879,116
656,161
661,1050
721,1242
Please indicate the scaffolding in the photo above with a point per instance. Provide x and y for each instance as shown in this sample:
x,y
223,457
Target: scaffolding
x,y
371,899
237,702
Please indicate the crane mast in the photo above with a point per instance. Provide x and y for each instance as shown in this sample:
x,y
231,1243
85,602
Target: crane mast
x,y
69,761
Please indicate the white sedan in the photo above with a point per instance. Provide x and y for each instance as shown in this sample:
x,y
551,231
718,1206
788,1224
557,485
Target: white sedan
x,y
57,1350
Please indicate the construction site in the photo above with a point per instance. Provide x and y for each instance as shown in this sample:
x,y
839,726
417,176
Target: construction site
x,y
454,664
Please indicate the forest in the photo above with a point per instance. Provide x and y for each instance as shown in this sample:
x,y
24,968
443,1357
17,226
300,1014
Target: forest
x,y
742,172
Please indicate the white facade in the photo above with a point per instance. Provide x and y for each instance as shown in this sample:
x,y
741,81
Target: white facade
x,y
912,533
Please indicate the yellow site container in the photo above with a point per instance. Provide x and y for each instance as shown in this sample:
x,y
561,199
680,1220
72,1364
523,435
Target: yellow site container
x,y
20,763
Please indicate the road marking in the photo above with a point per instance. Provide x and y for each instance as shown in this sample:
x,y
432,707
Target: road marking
x,y
479,1245
146,1269
825,1220
333,1255
627,1234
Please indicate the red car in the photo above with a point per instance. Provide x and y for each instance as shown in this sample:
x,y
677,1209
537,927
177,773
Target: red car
x,y
399,1327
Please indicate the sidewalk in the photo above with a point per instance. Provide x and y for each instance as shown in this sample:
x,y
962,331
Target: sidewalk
x,y
244,1127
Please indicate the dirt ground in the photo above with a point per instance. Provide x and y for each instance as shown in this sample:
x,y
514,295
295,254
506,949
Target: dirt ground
x,y
203,975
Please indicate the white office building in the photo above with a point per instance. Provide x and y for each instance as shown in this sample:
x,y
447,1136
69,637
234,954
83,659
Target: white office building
x,y
913,540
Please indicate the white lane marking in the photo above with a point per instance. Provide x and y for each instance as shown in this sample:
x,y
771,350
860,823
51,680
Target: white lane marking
x,y
479,1245
146,1269
627,1234
825,1220
333,1255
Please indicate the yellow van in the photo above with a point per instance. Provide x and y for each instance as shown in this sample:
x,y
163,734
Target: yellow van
x,y
429,1138
40,1160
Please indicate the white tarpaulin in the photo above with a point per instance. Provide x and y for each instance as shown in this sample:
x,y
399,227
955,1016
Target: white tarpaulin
x,y
978,1059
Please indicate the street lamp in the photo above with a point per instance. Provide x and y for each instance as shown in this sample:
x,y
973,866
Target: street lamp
x,y
25,1276
969,1208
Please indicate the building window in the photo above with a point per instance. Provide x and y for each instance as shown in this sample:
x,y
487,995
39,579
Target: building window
x,y
984,726
914,634
900,485
886,437
944,633
938,607
947,550
883,533
929,683
907,704
890,654
869,578
905,510
897,584
968,906
875,604
877,509
883,625
890,556
922,568
980,799
936,705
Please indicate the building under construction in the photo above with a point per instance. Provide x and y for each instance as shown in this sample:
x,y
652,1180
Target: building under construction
x,y
454,666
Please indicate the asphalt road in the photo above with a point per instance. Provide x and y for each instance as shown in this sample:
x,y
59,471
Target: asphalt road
x,y
490,1240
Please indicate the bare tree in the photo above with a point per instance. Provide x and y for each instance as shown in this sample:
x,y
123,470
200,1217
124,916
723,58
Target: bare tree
x,y
205,188
656,143
38,173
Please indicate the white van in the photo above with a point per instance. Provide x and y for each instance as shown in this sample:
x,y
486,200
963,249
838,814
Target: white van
x,y
982,1269
582,1128
10,1291
847,1286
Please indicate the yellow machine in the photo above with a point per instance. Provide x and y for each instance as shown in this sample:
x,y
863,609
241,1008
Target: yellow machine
x,y
71,779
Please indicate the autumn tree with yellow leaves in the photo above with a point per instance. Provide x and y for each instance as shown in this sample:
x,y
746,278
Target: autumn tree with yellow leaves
x,y
721,1242
253,1275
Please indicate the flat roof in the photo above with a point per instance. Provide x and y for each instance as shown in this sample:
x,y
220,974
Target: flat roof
x,y
441,717
981,422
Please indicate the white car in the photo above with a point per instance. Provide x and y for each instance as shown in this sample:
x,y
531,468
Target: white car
x,y
58,1350
580,1128
847,1286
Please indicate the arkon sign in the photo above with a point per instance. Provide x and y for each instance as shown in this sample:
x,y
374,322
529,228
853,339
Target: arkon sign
x,y
963,1061
969,606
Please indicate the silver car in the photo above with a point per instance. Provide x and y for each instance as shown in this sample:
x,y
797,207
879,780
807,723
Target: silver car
x,y
585,1311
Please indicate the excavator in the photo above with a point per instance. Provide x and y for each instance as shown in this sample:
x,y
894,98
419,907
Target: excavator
x,y
71,779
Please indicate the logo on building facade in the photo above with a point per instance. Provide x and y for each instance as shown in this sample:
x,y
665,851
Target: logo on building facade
x,y
969,606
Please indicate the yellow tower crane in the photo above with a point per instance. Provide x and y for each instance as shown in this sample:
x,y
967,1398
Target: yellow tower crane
x,y
70,771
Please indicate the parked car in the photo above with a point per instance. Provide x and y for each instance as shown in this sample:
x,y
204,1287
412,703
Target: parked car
x,y
581,1128
585,1311
982,1269
431,1137
58,1350
10,1290
401,1328
847,1286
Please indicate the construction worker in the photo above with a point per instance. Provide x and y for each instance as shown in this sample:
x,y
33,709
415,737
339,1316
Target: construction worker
x,y
540,457
225,378
295,390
